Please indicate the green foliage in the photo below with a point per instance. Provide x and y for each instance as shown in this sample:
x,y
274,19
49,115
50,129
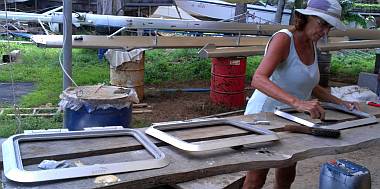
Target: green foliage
x,y
41,66
252,64
175,65
348,16
349,65
9,125
367,7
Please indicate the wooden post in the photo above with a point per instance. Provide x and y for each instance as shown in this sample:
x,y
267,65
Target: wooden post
x,y
377,61
324,63
240,8
280,9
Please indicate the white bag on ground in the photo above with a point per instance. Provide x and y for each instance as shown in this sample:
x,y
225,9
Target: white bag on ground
x,y
354,93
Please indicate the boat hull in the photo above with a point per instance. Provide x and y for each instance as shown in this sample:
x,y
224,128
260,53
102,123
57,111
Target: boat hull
x,y
220,10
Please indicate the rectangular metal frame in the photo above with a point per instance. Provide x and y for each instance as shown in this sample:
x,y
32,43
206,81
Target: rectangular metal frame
x,y
155,131
365,118
13,167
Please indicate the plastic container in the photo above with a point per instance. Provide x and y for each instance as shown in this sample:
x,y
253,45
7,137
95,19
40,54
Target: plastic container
x,y
227,81
343,174
97,106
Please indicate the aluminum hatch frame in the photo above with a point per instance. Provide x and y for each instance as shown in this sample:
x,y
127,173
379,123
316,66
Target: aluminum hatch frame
x,y
155,131
14,169
364,118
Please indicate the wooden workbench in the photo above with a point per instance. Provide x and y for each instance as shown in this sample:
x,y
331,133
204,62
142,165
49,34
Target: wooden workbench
x,y
186,166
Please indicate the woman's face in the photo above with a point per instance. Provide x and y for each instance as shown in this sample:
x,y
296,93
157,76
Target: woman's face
x,y
316,28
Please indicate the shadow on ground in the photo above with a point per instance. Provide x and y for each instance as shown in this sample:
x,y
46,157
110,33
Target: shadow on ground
x,y
9,92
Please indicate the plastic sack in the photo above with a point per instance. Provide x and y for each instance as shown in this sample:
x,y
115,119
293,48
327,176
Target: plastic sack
x,y
118,57
97,97
354,93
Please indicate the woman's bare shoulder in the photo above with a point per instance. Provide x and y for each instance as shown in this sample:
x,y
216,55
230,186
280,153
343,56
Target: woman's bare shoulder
x,y
282,38
280,45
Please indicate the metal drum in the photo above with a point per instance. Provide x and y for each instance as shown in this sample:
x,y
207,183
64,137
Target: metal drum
x,y
227,81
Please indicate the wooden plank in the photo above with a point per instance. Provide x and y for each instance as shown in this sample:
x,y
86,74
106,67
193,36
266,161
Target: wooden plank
x,y
91,41
185,166
259,50
51,111
232,181
189,166
35,152
224,181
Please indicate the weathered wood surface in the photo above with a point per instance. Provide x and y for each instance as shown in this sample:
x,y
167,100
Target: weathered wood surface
x,y
185,166
224,181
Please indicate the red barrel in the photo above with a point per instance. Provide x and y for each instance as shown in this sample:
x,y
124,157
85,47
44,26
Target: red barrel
x,y
227,81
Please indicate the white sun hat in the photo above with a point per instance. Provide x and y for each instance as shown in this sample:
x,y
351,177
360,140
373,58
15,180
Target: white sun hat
x,y
329,10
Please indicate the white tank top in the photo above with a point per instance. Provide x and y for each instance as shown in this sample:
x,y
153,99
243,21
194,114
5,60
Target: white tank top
x,y
291,75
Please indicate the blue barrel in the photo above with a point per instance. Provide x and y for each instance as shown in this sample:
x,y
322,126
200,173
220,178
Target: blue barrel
x,y
343,174
77,120
97,106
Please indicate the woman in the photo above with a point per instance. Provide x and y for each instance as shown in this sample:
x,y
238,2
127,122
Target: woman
x,y
288,74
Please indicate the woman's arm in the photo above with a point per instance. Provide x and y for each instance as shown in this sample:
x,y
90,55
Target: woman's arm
x,y
322,94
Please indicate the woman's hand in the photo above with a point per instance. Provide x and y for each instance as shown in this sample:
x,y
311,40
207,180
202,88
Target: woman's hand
x,y
350,105
313,107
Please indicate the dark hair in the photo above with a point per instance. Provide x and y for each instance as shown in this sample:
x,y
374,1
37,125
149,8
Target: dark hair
x,y
299,21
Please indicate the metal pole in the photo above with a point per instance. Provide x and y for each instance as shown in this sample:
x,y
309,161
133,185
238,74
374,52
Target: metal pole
x,y
67,43
67,52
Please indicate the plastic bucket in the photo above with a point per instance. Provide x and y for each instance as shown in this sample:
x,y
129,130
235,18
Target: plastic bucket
x,y
227,81
131,75
324,64
343,174
97,106
80,119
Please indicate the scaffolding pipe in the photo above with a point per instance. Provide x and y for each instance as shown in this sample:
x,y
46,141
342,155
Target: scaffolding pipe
x,y
67,46
67,43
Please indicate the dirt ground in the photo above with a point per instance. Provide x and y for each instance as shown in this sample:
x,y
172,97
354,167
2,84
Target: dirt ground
x,y
6,91
170,106
173,106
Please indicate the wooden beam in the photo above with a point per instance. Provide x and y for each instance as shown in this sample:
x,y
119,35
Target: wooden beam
x,y
187,166
92,41
212,52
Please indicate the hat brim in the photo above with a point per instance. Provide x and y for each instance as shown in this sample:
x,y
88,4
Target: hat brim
x,y
333,21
